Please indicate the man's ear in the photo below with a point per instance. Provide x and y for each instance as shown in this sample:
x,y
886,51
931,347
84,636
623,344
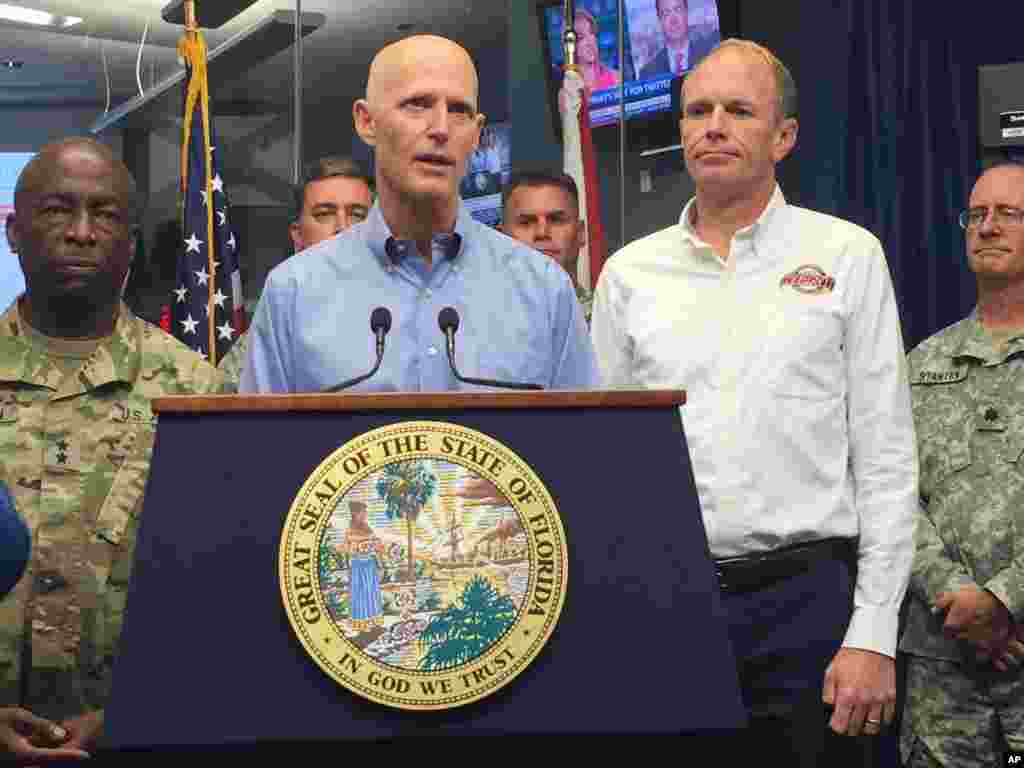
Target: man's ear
x,y
786,139
581,233
365,126
12,234
296,234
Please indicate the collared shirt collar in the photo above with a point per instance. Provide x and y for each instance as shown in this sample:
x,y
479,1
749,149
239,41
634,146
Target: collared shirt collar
x,y
973,341
117,358
390,251
760,226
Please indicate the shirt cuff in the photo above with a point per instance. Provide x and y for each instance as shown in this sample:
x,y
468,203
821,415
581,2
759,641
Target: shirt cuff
x,y
873,629
1006,587
955,583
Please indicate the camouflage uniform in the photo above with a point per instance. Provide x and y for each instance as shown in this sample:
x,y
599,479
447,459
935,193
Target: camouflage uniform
x,y
75,451
586,299
232,362
969,416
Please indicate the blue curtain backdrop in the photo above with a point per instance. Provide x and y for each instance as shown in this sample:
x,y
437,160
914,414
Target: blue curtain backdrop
x,y
889,139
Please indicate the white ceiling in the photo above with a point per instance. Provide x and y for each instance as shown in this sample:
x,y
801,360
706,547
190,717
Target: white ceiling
x,y
97,62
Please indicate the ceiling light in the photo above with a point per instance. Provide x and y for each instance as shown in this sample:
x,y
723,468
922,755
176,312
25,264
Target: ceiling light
x,y
39,18
12,64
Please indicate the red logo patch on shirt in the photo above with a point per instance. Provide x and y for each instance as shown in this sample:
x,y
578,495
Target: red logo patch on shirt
x,y
809,278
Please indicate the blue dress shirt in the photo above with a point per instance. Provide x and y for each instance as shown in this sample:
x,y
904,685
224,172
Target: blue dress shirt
x,y
520,320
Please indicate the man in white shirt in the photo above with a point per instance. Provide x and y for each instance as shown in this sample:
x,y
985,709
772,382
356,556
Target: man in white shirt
x,y
781,324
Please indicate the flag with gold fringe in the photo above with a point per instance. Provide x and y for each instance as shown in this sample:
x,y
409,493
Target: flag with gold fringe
x,y
207,307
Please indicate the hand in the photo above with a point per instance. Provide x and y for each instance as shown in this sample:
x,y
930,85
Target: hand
x,y
975,616
26,738
1009,657
85,729
861,687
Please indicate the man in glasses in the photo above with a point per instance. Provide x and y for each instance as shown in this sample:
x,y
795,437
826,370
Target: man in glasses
x,y
965,696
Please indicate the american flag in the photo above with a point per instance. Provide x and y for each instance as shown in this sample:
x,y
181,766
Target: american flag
x,y
207,309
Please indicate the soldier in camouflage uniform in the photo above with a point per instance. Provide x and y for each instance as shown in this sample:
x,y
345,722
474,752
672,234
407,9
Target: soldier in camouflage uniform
x,y
77,373
965,695
335,194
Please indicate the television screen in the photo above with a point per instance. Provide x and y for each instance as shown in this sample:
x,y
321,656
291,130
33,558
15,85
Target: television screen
x,y
489,168
12,284
662,40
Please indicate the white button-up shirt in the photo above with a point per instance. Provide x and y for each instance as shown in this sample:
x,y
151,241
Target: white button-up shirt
x,y
798,417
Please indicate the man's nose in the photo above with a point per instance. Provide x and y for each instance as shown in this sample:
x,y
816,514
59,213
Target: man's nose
x,y
717,122
80,228
439,122
989,225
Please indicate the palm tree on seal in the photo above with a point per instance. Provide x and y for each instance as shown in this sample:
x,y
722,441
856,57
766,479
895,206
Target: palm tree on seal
x,y
405,487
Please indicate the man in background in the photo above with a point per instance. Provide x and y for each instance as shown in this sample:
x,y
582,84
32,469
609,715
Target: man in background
x,y
77,374
334,195
542,210
964,694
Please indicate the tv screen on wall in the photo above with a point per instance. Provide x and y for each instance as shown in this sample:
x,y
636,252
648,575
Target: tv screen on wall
x,y
661,41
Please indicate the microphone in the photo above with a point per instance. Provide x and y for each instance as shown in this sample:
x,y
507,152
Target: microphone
x,y
15,541
380,324
448,322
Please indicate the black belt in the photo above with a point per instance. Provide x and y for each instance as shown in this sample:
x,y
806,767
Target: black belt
x,y
749,573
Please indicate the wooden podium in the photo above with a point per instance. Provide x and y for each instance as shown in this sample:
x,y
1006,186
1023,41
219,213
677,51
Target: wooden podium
x,y
208,659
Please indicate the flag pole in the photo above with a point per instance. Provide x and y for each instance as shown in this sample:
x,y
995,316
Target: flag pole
x,y
569,33
203,95
578,153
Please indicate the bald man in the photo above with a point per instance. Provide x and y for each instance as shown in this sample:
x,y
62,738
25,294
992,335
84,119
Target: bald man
x,y
418,251
77,373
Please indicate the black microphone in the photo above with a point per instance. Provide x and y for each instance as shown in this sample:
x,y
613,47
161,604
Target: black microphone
x,y
15,542
380,324
448,322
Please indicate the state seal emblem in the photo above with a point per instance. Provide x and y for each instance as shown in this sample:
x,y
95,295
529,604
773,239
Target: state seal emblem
x,y
423,565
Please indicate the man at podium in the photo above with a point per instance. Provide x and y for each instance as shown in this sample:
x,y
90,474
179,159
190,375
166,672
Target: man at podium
x,y
326,313
782,325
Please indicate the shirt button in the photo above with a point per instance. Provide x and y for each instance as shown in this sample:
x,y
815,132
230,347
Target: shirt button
x,y
428,293
431,351
991,414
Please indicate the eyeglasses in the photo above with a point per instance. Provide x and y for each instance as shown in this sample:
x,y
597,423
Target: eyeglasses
x,y
1003,215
